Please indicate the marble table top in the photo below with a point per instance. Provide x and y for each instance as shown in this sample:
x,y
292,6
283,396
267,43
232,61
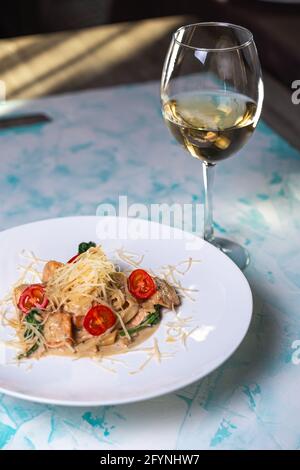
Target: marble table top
x,y
100,142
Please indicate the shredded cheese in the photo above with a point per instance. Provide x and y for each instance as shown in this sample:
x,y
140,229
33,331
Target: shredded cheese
x,y
123,326
74,286
133,259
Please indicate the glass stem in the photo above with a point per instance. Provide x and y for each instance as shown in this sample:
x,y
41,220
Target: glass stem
x,y
208,178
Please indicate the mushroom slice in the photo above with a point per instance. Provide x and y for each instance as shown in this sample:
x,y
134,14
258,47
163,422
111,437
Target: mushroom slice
x,y
166,295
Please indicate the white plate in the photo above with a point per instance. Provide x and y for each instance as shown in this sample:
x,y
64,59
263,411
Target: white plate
x,y
220,315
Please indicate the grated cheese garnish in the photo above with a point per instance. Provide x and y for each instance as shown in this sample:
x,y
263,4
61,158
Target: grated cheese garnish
x,y
76,285
133,259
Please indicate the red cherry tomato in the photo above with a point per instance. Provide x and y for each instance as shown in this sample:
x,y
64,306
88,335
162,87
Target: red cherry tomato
x,y
33,296
141,285
73,259
99,319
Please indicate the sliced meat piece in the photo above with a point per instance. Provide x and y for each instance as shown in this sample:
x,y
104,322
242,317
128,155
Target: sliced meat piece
x,y
58,330
166,296
50,268
139,317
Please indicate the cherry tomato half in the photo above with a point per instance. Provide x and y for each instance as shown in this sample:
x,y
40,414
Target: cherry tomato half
x,y
141,285
99,319
73,258
33,296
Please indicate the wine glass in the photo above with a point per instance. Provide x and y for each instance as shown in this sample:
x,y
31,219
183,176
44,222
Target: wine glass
x,y
212,94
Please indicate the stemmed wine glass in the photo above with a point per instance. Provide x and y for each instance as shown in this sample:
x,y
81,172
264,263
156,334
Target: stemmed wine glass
x,y
212,94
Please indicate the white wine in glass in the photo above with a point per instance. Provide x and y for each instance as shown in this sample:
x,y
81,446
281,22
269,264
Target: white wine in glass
x,y
212,94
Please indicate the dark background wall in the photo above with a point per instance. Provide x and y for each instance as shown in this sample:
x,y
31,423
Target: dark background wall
x,y
20,17
276,26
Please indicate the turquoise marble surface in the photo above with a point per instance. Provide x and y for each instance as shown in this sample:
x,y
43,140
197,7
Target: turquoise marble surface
x,y
97,145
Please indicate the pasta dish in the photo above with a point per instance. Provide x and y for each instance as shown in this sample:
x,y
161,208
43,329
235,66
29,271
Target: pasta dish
x,y
87,307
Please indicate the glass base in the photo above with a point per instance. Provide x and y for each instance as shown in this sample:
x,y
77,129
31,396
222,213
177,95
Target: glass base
x,y
238,254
